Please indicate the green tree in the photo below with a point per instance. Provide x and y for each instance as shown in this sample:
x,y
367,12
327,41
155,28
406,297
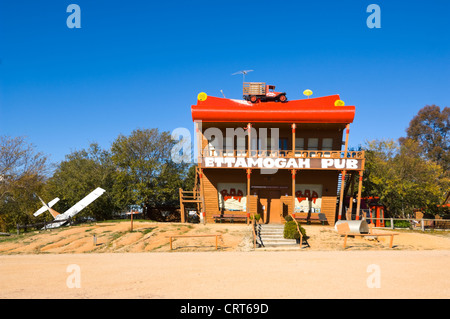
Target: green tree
x,y
403,179
146,175
23,172
78,175
430,128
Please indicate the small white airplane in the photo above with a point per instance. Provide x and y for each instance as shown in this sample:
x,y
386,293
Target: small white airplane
x,y
72,211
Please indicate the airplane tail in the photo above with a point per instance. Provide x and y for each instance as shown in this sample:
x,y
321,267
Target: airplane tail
x,y
47,207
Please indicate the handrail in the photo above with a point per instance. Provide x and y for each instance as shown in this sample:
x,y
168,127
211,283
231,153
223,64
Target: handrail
x,y
253,229
189,194
336,154
298,229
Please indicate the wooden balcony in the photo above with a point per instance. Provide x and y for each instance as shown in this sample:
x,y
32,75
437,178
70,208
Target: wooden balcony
x,y
284,154
300,159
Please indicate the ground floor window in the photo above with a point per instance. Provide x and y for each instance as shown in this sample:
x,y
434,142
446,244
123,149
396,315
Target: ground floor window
x,y
308,198
232,196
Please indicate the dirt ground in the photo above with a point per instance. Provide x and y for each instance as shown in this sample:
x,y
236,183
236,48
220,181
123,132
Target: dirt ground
x,y
139,264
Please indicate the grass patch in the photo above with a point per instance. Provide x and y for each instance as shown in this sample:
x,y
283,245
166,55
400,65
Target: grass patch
x,y
145,231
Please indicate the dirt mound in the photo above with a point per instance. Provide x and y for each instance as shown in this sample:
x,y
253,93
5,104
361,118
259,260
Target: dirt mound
x,y
115,237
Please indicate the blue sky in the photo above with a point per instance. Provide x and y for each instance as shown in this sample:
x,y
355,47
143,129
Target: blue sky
x,y
140,64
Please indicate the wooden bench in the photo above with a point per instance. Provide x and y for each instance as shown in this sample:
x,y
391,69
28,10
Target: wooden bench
x,y
309,217
187,236
230,217
344,230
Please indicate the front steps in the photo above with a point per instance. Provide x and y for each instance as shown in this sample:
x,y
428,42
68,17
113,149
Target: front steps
x,y
271,236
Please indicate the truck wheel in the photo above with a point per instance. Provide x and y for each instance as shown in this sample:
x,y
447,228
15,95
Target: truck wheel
x,y
282,98
253,99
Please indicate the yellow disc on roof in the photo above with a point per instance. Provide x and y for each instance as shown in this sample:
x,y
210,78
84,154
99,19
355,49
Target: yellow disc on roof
x,y
307,92
202,96
339,103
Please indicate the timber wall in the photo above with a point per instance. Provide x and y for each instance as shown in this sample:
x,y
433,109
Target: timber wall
x,y
282,179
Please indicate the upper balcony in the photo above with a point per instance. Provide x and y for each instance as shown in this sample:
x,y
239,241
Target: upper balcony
x,y
283,159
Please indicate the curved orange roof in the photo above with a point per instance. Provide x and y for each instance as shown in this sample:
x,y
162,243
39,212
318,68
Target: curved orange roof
x,y
314,110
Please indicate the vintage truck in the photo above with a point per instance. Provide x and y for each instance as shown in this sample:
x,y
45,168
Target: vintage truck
x,y
260,92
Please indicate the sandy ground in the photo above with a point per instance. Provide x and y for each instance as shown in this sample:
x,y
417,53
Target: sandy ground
x,y
140,265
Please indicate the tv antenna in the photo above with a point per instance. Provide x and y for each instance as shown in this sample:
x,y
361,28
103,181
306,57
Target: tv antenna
x,y
243,72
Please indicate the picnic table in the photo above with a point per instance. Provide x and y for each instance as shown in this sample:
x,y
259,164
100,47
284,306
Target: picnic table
x,y
187,236
344,230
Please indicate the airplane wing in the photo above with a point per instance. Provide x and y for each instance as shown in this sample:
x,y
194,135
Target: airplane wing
x,y
78,207
45,207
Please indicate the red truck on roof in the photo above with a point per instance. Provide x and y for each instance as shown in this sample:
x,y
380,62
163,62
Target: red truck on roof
x,y
260,92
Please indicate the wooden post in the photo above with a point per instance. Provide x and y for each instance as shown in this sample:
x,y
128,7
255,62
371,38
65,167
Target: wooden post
x,y
131,221
249,171
352,185
181,205
202,193
293,172
358,205
341,195
293,139
249,135
347,131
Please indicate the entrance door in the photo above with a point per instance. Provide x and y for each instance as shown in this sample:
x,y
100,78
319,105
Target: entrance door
x,y
271,205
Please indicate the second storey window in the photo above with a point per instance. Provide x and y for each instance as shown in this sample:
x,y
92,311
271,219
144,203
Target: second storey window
x,y
283,146
313,144
327,144
299,143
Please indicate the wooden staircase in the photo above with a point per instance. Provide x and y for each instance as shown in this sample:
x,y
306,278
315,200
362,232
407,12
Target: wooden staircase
x,y
191,199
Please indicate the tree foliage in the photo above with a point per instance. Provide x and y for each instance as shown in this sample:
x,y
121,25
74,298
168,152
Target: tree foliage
x,y
23,172
146,175
78,175
430,128
402,178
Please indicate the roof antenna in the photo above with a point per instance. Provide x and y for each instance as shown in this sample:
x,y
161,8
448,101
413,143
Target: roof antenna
x,y
222,94
243,72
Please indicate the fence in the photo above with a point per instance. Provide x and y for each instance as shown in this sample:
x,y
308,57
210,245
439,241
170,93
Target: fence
x,y
45,224
412,223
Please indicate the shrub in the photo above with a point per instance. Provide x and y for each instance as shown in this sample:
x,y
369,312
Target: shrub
x,y
398,223
290,230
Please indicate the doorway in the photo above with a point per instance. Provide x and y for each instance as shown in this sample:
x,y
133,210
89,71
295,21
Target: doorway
x,y
270,203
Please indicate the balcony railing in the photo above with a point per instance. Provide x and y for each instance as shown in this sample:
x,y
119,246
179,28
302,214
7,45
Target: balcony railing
x,y
284,154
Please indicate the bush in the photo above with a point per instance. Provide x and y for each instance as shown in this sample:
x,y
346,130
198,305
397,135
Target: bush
x,y
290,230
398,223
257,217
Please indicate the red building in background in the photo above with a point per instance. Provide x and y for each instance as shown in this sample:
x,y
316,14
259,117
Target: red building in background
x,y
274,159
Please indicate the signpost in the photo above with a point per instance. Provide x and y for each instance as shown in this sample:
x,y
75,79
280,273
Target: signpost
x,y
132,213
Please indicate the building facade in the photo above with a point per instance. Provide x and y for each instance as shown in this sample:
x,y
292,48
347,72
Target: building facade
x,y
275,159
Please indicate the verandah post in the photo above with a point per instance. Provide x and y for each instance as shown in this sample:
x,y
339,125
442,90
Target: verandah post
x,y
293,172
181,205
293,139
358,205
352,185
341,195
249,171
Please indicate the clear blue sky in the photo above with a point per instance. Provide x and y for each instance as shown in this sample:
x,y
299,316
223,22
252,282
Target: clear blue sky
x,y
140,64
